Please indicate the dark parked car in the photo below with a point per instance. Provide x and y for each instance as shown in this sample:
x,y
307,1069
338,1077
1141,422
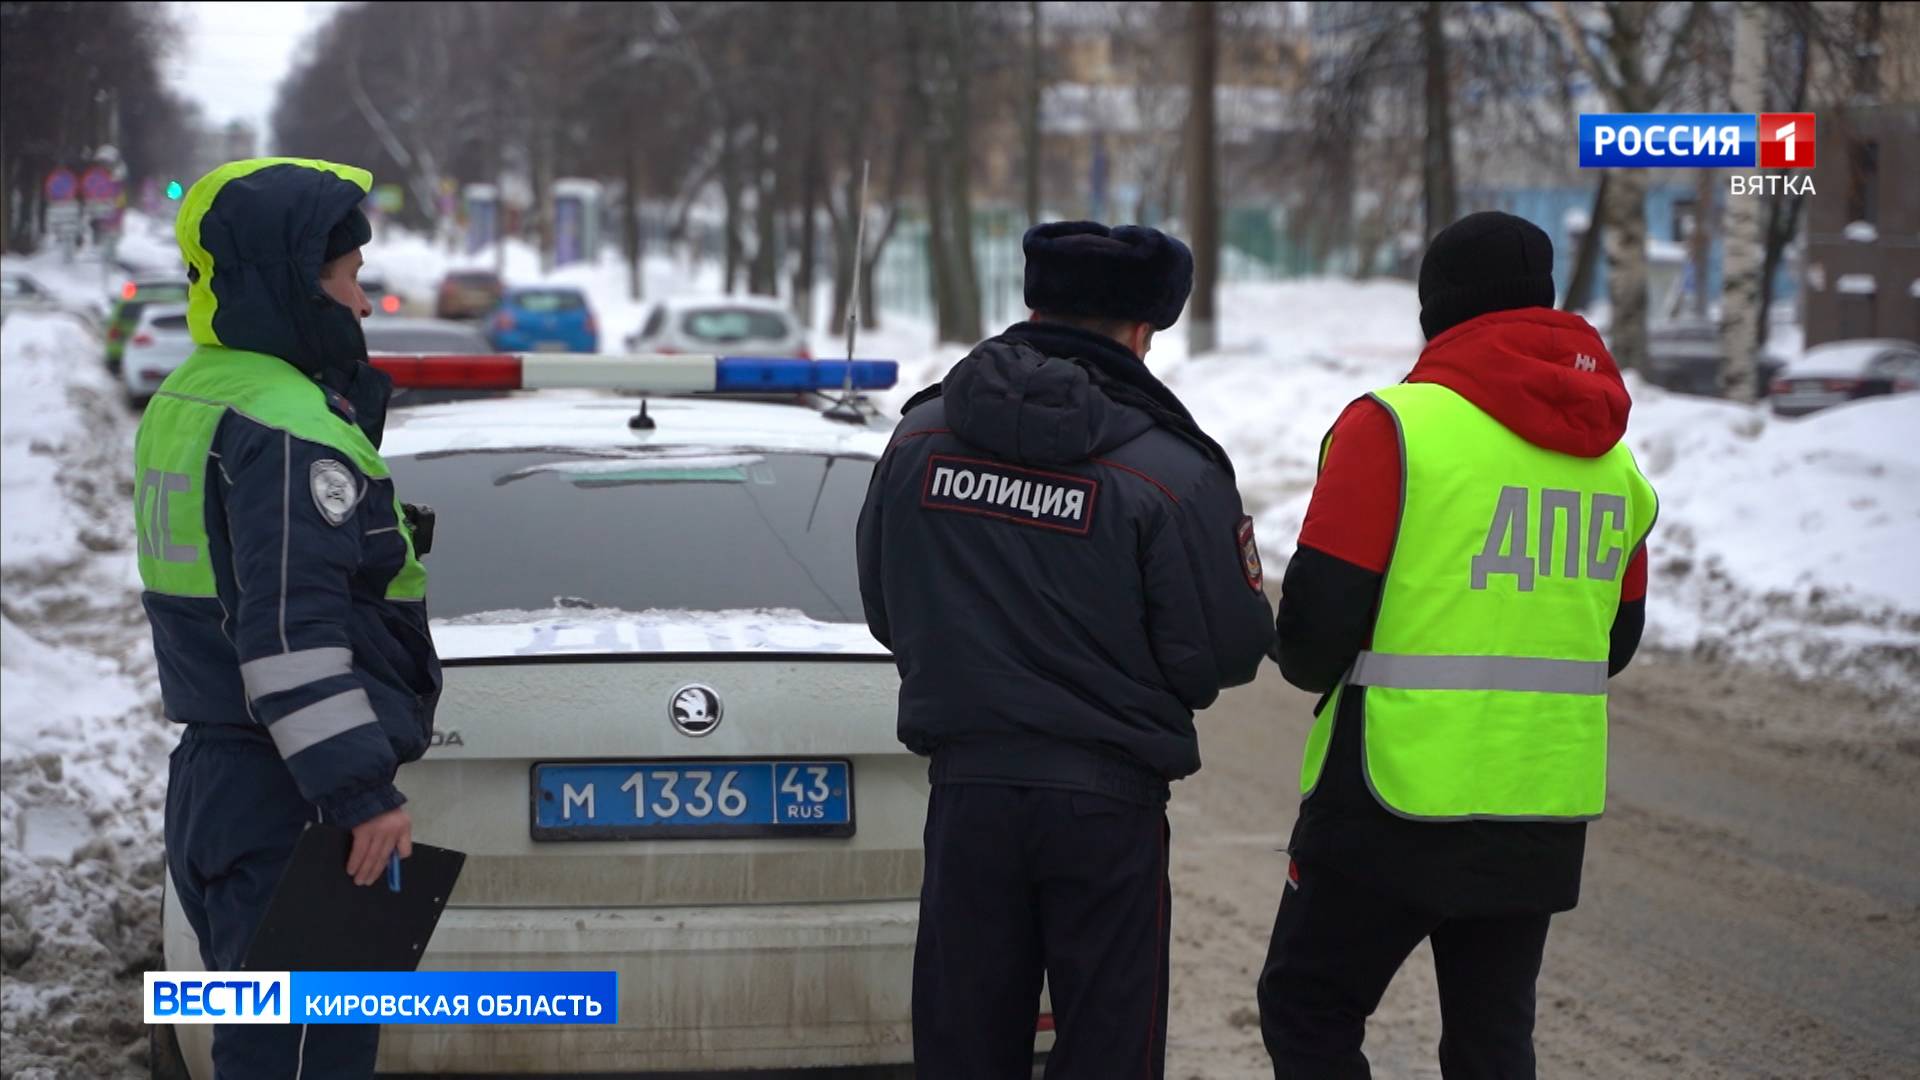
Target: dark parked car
x,y
1843,371
1684,355
428,337
468,294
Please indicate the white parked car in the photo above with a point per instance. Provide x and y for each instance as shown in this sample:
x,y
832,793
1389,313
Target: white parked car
x,y
727,325
666,741
20,291
159,343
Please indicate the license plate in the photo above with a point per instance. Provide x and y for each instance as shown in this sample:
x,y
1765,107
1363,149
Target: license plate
x,y
677,800
551,346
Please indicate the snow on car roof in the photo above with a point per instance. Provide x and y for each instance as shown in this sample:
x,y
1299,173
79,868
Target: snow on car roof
x,y
595,420
1845,357
744,303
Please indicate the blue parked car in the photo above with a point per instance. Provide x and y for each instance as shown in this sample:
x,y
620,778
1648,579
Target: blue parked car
x,y
543,318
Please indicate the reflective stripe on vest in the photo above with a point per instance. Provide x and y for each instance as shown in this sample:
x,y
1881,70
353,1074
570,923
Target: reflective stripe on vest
x,y
1519,673
1485,685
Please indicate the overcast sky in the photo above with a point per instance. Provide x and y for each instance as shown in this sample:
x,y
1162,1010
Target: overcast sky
x,y
233,56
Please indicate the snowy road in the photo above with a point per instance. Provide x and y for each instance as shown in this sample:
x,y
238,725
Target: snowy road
x,y
1751,904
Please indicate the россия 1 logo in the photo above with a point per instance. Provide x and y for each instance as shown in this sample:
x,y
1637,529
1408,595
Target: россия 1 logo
x,y
1705,141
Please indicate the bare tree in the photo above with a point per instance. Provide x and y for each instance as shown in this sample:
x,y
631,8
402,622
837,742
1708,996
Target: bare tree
x,y
1030,116
1203,174
1440,187
1613,41
1745,245
75,77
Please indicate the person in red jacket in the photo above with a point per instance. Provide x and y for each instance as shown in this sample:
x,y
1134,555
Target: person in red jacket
x,y
1366,886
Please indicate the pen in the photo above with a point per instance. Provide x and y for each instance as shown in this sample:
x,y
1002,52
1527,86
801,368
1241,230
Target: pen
x,y
393,872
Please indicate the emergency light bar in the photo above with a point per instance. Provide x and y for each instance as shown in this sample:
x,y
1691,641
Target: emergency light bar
x,y
676,374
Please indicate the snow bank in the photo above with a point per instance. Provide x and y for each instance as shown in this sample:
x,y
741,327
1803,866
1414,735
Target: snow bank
x,y
1781,543
82,746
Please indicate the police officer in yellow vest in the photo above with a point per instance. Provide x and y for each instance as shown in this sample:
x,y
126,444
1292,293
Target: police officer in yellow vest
x,y
1471,572
281,575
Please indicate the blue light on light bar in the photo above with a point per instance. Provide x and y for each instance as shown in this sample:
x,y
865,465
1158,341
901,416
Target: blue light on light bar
x,y
749,375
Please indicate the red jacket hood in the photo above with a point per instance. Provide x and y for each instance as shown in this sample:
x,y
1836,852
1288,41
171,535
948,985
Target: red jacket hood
x,y
1544,374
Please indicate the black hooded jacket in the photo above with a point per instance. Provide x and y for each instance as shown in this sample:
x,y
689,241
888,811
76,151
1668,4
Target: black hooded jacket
x,y
1057,556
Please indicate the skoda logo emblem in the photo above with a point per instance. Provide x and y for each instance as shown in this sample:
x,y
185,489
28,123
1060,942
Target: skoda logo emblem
x,y
695,710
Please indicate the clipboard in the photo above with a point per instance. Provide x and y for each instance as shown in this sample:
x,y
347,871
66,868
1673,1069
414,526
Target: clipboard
x,y
319,920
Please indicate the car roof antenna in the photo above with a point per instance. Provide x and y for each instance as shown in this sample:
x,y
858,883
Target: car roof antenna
x,y
847,408
642,422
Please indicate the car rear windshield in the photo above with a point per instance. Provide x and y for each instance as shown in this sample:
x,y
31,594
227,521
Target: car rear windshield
x,y
483,278
544,301
694,530
408,339
734,324
170,322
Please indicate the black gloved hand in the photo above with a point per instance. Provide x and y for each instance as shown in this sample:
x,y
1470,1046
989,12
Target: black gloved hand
x,y
420,521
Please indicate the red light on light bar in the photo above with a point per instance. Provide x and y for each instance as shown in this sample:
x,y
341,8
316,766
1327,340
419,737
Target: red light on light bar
x,y
451,372
1045,1024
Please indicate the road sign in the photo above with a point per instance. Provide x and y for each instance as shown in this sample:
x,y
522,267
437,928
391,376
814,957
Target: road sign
x,y
61,185
389,198
98,185
63,218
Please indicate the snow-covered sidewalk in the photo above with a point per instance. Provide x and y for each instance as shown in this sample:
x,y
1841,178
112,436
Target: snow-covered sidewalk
x,y
1782,544
83,749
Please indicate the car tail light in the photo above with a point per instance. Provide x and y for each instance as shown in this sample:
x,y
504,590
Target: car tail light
x,y
592,326
153,374
503,321
143,340
1901,386
804,353
1842,386
115,333
390,304
1045,1024
129,291
1781,386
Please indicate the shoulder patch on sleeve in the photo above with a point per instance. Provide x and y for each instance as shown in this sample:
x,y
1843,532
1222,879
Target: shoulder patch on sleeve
x,y
1042,500
334,490
1249,554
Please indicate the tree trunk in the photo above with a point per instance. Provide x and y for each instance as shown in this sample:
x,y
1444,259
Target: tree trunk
x,y
877,246
1626,244
730,193
545,179
630,219
1700,241
1437,162
1744,274
966,323
810,169
1203,180
1032,114
763,278
1783,211
1586,259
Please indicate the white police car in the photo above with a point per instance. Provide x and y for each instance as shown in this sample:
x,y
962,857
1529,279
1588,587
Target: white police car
x,y
666,741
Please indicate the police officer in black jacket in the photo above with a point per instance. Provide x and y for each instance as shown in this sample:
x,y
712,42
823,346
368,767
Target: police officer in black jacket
x,y
1057,556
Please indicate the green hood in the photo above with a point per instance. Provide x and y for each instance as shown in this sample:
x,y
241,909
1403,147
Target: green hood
x,y
253,234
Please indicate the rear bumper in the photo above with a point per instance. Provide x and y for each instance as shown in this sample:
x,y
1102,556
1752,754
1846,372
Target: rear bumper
x,y
714,988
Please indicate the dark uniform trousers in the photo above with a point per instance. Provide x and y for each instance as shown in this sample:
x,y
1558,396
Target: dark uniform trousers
x,y
233,817
1022,882
1337,944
